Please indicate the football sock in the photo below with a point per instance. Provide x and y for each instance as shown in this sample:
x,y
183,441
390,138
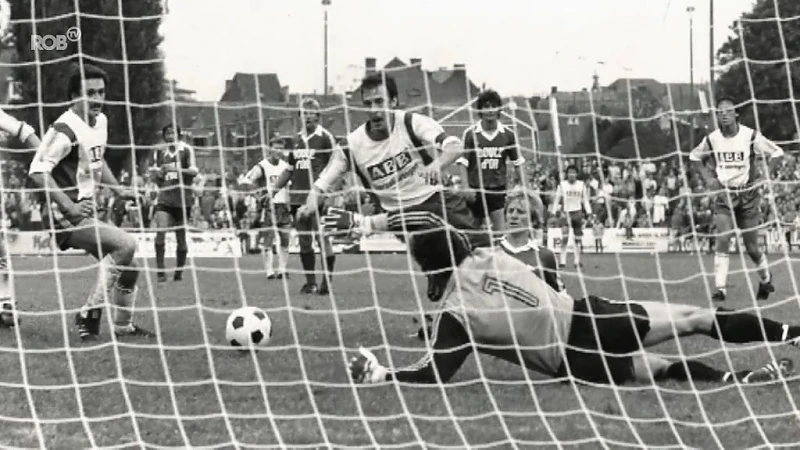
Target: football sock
x,y
577,255
107,279
160,256
763,268
5,281
308,259
738,327
270,263
283,257
721,264
564,253
329,263
124,301
180,257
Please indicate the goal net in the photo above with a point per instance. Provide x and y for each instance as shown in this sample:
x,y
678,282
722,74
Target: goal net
x,y
188,388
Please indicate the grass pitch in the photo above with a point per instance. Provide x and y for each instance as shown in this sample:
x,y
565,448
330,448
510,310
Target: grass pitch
x,y
190,389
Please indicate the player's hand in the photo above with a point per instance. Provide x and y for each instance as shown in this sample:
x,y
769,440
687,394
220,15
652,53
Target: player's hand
x,y
84,209
469,195
305,211
338,219
432,173
364,368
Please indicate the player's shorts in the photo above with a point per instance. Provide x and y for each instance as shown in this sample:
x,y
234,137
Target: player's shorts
x,y
170,216
310,223
617,328
574,220
488,200
280,212
744,205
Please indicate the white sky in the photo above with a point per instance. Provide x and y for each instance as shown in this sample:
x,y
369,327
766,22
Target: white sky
x,y
519,47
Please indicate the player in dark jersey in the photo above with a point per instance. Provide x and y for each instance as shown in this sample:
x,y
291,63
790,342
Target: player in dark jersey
x,y
487,146
494,305
68,167
310,155
173,170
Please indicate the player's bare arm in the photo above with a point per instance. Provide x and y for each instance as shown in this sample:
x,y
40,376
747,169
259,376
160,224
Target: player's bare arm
x,y
767,149
333,174
452,148
698,157
20,130
57,146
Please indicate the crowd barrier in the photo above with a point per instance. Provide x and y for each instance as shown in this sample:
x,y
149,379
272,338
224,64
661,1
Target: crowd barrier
x,y
233,244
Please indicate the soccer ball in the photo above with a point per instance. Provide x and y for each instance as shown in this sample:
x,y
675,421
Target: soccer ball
x,y
248,327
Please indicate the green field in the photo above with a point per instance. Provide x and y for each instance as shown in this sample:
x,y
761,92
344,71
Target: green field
x,y
189,389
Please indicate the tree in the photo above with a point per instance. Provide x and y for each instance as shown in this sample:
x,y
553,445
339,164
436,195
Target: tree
x,y
127,49
757,48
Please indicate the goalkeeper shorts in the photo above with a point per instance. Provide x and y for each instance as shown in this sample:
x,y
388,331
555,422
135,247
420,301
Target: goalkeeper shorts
x,y
617,328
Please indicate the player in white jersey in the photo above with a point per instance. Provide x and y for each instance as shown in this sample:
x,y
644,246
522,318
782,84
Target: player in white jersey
x,y
68,167
25,134
736,182
573,196
394,155
276,218
495,304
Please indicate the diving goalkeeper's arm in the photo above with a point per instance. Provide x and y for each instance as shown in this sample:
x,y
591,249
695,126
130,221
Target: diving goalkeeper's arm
x,y
450,346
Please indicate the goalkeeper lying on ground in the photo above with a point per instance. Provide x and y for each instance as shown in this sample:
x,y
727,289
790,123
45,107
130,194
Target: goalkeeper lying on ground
x,y
493,303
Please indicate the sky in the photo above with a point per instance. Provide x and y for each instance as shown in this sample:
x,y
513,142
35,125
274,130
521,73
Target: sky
x,y
518,47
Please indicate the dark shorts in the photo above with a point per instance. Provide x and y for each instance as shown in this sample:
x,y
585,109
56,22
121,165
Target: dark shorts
x,y
488,200
574,220
453,208
616,328
281,214
310,223
170,216
744,206
54,219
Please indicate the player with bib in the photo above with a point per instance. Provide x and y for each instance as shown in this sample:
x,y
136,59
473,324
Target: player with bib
x,y
736,182
276,219
573,195
68,168
174,170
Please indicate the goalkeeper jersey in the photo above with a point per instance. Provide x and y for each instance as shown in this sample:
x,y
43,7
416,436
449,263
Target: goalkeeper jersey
x,y
501,302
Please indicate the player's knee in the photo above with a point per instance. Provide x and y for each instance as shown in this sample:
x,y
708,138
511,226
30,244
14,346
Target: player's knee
x,y
305,242
753,250
723,244
125,250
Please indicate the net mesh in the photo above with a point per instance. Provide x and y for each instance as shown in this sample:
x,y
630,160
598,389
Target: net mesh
x,y
188,388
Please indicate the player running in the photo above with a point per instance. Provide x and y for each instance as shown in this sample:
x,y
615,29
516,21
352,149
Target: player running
x,y
737,183
494,305
173,170
487,145
573,195
310,155
275,216
68,166
25,134
393,155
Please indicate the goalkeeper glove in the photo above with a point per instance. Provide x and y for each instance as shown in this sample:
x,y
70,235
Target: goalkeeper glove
x,y
365,368
341,220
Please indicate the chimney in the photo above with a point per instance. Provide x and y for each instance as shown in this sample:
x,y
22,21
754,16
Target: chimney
x,y
228,85
369,65
460,67
416,62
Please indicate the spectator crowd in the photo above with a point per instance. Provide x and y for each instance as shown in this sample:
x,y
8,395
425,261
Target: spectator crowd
x,y
624,194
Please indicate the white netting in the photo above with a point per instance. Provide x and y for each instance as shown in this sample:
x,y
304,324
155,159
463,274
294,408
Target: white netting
x,y
188,388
